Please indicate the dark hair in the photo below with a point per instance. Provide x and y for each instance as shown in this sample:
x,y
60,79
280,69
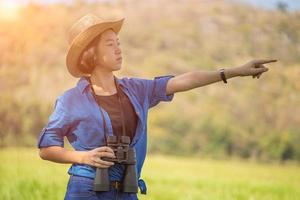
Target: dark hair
x,y
86,62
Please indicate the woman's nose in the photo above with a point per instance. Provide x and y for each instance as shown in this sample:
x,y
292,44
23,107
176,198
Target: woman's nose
x,y
118,50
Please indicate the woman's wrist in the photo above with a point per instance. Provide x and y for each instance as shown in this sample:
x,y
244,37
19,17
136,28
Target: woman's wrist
x,y
231,72
81,157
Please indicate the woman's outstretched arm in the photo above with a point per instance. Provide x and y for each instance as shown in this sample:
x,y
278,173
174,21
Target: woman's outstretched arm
x,y
199,78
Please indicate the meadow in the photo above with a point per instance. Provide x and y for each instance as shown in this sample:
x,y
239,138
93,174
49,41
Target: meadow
x,y
23,175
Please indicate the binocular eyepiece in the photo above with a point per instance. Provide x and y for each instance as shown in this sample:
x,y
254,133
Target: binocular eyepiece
x,y
124,155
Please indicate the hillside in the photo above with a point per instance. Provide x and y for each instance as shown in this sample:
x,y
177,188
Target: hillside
x,y
249,118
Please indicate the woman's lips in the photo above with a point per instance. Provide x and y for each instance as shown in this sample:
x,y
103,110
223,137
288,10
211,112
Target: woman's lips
x,y
119,59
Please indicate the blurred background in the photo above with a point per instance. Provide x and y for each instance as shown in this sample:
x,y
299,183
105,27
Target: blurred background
x,y
234,141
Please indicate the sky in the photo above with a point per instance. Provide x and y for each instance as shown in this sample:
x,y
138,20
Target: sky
x,y
268,4
271,4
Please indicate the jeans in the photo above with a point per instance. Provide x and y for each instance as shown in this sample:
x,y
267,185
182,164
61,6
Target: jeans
x,y
81,188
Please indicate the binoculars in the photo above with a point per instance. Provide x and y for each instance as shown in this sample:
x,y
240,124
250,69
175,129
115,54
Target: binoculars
x,y
124,155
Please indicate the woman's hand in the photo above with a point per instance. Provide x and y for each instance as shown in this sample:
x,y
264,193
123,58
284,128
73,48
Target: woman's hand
x,y
93,157
254,68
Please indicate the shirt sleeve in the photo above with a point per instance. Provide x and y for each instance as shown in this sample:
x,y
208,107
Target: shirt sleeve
x,y
157,90
56,128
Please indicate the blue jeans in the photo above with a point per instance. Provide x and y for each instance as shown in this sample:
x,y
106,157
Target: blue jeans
x,y
80,188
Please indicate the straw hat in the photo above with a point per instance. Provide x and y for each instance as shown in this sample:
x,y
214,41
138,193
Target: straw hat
x,y
82,33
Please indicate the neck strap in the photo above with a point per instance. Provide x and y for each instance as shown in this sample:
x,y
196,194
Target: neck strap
x,y
121,107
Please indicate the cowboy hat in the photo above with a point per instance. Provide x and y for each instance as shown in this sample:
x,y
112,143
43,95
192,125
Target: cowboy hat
x,y
81,34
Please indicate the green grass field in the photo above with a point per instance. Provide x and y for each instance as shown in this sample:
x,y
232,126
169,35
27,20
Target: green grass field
x,y
23,175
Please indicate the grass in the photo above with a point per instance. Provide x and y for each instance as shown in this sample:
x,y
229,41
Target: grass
x,y
23,175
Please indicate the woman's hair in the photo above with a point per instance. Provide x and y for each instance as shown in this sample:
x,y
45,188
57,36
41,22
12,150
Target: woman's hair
x,y
87,59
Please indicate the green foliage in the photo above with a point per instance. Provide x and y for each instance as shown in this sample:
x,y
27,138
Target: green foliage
x,y
21,121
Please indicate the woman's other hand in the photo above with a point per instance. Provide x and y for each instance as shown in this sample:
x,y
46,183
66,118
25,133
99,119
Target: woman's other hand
x,y
254,68
93,157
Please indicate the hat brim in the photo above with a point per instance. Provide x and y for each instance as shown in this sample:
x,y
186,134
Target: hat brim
x,y
82,40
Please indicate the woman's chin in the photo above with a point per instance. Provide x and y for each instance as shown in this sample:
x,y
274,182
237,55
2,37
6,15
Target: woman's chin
x,y
117,67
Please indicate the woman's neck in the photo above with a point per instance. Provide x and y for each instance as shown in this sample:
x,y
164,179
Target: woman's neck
x,y
103,82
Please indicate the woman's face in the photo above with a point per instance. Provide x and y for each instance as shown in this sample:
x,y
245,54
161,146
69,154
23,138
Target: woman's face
x,y
108,52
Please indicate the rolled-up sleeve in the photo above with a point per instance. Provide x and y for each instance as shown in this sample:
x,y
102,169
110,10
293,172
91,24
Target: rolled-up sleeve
x,y
157,89
56,128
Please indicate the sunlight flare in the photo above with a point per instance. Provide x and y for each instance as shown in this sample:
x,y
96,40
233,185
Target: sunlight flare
x,y
9,10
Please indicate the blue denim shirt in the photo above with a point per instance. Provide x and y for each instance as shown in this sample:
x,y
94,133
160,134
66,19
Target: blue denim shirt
x,y
77,116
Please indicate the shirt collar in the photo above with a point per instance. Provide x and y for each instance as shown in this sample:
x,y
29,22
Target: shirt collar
x,y
84,83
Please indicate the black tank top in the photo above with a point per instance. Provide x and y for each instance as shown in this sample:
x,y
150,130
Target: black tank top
x,y
110,103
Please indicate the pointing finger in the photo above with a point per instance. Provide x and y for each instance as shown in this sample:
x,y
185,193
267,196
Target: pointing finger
x,y
264,61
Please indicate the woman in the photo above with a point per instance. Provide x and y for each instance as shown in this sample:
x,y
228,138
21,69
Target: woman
x,y
89,112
